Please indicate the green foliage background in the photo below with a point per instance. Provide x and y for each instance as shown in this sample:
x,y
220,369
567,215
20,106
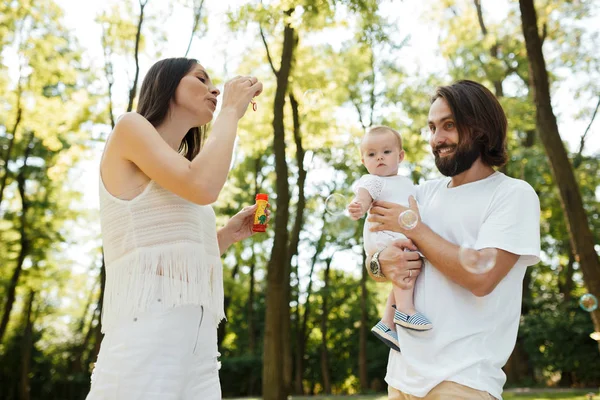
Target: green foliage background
x,y
57,113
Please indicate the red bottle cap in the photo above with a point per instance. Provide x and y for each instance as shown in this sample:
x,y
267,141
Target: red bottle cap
x,y
262,196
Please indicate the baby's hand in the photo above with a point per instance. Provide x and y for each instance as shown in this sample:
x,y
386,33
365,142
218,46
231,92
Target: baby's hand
x,y
356,210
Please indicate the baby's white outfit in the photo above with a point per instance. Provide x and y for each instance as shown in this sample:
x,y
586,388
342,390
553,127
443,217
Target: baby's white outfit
x,y
395,189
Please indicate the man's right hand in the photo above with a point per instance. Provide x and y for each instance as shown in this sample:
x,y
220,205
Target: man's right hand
x,y
400,263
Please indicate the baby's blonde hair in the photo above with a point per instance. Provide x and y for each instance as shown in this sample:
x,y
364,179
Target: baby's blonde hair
x,y
384,129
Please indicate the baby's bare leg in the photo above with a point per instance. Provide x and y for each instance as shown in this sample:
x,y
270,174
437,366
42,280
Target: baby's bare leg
x,y
404,300
388,312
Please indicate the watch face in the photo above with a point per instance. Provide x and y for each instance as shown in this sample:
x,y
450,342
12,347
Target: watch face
x,y
374,267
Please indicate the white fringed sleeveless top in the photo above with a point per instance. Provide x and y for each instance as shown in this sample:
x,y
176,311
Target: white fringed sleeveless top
x,y
160,250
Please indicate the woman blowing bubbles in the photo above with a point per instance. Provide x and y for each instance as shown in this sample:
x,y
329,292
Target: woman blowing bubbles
x,y
164,281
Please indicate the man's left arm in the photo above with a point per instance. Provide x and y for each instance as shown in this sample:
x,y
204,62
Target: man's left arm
x,y
444,255
512,227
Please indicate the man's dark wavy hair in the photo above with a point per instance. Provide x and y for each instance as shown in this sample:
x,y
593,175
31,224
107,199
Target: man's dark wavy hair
x,y
479,119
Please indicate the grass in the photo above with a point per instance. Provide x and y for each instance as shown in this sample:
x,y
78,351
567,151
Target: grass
x,y
547,396
575,395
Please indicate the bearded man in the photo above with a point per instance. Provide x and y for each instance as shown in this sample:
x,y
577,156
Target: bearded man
x,y
475,315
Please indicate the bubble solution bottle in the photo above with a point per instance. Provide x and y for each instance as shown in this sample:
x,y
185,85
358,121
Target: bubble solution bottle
x,y
260,216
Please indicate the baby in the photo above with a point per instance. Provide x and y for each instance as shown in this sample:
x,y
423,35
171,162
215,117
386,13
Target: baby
x,y
381,153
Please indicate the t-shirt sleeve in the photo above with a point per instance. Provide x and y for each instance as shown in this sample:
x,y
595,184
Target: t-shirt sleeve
x,y
372,183
513,223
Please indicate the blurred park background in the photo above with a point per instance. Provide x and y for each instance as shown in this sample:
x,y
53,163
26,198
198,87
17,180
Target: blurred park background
x,y
298,301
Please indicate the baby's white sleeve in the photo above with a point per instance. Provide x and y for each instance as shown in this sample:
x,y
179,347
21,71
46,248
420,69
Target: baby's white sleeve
x,y
372,183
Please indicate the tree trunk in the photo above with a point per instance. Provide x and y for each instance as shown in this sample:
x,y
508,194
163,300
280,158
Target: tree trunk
x,y
277,303
301,204
325,370
297,228
565,279
108,71
494,50
364,329
13,134
302,334
132,93
98,336
252,339
299,353
25,242
251,325
497,82
580,234
222,329
518,368
26,347
197,16
138,34
77,358
12,286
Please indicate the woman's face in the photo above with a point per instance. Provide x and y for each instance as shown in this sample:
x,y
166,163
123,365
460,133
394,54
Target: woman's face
x,y
197,95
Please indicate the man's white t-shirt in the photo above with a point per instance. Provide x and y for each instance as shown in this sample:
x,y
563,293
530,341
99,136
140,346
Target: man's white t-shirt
x,y
472,337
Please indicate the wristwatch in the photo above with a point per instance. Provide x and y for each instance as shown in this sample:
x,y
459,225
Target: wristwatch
x,y
375,267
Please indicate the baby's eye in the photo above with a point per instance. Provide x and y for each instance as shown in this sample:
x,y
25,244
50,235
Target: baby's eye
x,y
387,151
371,154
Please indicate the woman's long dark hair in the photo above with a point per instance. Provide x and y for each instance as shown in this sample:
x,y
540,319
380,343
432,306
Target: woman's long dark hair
x,y
158,89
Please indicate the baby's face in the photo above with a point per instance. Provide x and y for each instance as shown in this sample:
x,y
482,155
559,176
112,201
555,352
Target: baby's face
x,y
381,154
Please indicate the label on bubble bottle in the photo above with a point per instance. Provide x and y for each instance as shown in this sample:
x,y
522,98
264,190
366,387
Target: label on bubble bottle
x,y
260,216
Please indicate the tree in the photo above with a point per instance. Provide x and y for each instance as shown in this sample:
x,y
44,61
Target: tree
x,y
119,36
562,170
42,45
274,379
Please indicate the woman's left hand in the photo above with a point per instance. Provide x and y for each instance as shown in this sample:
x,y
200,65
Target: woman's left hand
x,y
385,216
239,227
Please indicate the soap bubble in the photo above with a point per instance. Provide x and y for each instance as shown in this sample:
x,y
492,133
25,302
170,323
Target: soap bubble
x,y
312,98
408,219
336,204
308,161
588,302
477,261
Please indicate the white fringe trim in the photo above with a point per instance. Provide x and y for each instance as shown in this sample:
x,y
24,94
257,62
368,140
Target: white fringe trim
x,y
177,274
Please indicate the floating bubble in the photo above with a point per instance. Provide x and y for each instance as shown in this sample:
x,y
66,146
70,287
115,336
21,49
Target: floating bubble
x,y
588,302
312,98
308,160
408,219
477,261
336,204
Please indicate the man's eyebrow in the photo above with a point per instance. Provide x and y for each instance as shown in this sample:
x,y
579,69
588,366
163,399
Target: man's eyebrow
x,y
444,118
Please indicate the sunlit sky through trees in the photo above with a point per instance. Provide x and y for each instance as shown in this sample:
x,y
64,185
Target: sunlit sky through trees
x,y
221,52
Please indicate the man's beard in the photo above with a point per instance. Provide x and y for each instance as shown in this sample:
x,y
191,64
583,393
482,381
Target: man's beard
x,y
457,163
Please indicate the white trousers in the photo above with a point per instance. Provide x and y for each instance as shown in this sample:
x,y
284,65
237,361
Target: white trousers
x,y
159,355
